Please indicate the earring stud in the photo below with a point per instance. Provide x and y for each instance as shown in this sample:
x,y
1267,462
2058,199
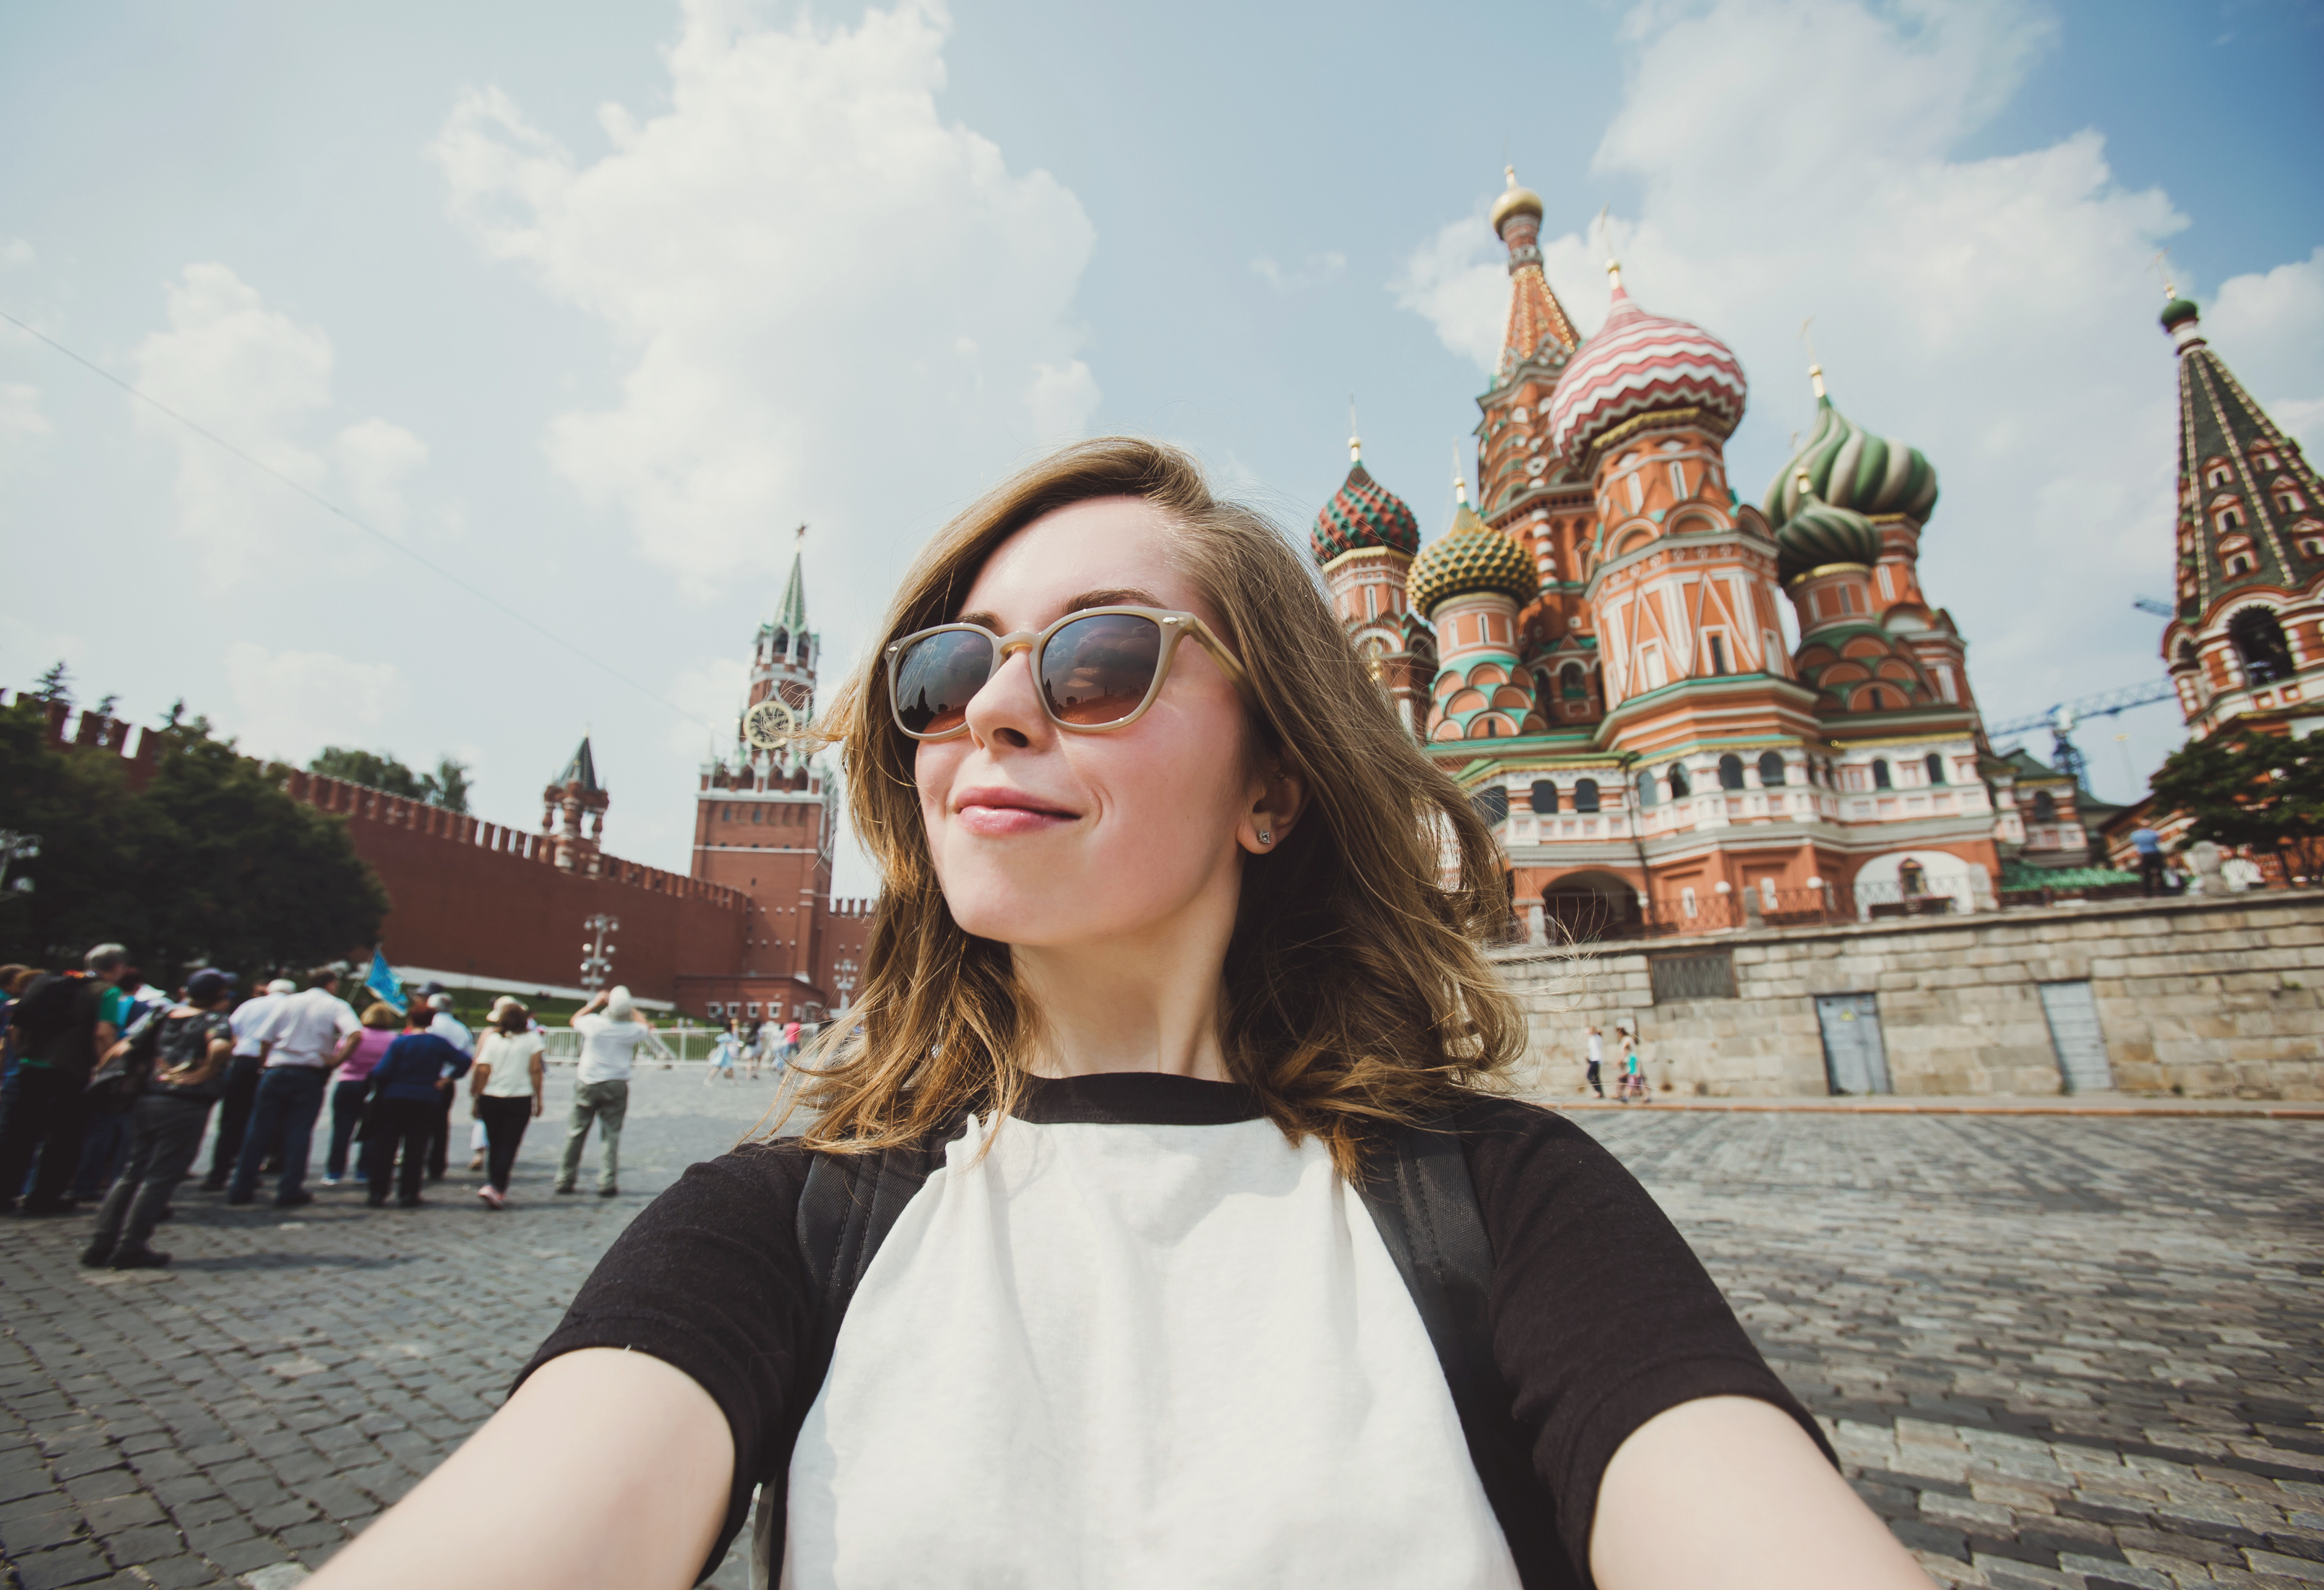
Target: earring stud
x,y
1265,837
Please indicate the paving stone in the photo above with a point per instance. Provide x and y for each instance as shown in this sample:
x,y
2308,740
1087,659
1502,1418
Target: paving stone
x,y
66,1565
2051,1351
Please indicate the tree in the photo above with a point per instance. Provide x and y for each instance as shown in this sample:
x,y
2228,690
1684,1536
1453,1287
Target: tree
x,y
56,685
2252,791
213,862
446,787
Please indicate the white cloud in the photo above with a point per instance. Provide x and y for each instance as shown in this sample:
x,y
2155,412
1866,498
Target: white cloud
x,y
2269,328
262,382
1319,269
289,705
24,428
713,691
831,305
1796,158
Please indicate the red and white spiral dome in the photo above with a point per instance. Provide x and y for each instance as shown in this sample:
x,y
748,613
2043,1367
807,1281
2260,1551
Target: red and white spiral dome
x,y
1638,363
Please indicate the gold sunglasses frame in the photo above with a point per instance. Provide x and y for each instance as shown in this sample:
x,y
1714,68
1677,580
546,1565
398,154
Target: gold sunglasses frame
x,y
1175,626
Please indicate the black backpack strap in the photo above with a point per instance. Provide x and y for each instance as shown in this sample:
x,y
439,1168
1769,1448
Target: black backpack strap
x,y
1415,1182
849,1205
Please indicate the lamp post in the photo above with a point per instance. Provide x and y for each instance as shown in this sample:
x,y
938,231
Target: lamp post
x,y
598,955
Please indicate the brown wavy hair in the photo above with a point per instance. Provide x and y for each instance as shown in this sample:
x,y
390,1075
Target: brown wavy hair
x,y
1353,991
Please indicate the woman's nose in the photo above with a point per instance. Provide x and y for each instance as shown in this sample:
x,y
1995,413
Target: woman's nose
x,y
1007,710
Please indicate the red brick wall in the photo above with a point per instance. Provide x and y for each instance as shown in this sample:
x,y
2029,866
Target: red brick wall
x,y
477,899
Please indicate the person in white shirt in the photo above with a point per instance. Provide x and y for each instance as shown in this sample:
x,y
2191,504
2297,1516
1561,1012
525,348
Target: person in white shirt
x,y
1596,1052
301,1040
242,1081
601,1083
448,1027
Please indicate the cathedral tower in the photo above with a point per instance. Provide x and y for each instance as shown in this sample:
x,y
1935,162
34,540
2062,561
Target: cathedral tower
x,y
2247,642
1469,584
1364,541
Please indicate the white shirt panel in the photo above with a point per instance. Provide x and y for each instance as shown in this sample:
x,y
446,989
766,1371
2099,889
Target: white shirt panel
x,y
1136,1356
245,1020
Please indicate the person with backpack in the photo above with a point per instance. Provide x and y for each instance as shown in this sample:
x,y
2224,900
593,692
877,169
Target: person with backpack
x,y
1165,1225
173,1082
63,1023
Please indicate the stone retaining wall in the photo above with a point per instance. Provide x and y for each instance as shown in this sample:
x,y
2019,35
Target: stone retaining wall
x,y
2209,998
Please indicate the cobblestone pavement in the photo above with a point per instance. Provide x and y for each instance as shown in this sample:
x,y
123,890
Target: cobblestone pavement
x,y
2052,1352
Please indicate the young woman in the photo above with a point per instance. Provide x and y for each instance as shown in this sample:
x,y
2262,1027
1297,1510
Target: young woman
x,y
1176,920
350,1087
506,1092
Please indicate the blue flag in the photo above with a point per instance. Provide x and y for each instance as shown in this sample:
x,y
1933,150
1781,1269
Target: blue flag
x,y
381,980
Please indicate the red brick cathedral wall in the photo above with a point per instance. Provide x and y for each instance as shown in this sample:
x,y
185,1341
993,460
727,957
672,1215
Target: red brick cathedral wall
x,y
476,899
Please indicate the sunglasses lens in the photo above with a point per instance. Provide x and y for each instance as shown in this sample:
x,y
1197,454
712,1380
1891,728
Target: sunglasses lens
x,y
1096,670
936,677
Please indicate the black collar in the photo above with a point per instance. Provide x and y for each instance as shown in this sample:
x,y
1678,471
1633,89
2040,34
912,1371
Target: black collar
x,y
1136,1099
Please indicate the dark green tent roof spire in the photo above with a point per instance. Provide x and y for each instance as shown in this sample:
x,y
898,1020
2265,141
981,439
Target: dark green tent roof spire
x,y
792,613
583,767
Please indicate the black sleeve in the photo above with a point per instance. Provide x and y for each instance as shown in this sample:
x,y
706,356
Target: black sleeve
x,y
708,1280
1602,1316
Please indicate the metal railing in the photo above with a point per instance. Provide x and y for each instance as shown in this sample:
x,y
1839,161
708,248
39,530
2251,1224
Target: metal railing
x,y
686,1041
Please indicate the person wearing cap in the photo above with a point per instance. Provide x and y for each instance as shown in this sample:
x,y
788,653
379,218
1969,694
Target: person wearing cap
x,y
242,1080
448,1027
167,1122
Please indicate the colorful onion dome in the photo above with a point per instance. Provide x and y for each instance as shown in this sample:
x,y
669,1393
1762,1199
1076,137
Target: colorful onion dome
x,y
1638,363
1848,467
1363,514
1820,533
1515,201
1469,558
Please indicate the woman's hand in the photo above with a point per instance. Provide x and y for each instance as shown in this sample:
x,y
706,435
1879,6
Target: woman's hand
x,y
606,1471
1728,1491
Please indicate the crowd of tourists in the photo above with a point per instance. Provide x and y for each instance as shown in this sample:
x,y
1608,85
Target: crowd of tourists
x,y
111,1084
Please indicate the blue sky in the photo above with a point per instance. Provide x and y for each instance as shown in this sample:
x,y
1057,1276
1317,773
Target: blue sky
x,y
847,266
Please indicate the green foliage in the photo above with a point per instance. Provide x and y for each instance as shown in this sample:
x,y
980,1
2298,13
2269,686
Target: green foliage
x,y
56,685
2260,792
446,787
212,862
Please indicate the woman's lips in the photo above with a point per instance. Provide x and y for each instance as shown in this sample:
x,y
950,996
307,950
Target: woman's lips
x,y
997,813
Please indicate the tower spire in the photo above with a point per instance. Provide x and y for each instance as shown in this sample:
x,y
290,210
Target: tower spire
x,y
792,615
1538,327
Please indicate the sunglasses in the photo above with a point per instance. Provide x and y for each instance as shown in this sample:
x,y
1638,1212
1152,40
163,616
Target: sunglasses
x,y
1100,668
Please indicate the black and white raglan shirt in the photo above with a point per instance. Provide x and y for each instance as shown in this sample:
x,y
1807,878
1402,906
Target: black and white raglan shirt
x,y
1131,1336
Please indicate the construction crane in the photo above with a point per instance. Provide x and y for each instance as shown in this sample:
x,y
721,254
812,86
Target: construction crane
x,y
2061,719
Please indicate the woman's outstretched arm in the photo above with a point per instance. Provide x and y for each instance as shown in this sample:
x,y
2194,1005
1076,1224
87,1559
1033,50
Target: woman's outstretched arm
x,y
606,1471
1729,1491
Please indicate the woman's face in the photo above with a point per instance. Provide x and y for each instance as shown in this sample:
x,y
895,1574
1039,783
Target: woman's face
x,y
1047,836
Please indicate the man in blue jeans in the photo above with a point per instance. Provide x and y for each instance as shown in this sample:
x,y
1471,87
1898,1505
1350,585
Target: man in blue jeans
x,y
300,1041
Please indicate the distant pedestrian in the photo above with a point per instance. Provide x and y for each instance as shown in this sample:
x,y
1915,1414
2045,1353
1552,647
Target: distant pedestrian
x,y
789,1050
350,1087
722,1056
300,1041
506,1088
11,975
190,1052
755,1039
2149,846
1594,1051
63,1022
601,1083
1634,1076
242,1081
448,1027
408,1088
129,1005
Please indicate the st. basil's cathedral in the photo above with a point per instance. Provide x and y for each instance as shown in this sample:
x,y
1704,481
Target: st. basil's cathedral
x,y
1593,649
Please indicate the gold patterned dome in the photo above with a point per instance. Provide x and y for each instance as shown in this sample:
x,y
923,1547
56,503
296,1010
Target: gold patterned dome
x,y
1516,201
1469,558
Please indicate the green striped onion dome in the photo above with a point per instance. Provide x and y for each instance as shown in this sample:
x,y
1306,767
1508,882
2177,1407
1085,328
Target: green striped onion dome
x,y
1821,533
1363,514
1850,467
1471,557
